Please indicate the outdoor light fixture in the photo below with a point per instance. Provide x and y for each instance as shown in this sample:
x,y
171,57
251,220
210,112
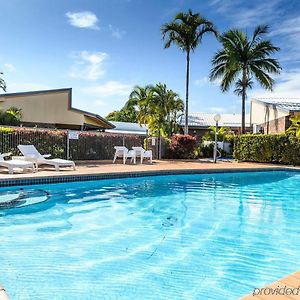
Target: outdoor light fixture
x,y
217,118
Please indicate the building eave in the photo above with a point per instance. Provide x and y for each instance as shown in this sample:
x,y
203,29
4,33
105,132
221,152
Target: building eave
x,y
36,92
107,124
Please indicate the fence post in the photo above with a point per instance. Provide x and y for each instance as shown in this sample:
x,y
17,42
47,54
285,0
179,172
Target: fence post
x,y
68,145
146,139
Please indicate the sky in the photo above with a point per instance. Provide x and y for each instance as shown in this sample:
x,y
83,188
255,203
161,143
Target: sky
x,y
103,48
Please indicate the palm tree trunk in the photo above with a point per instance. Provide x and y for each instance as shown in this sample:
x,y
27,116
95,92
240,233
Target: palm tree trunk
x,y
159,144
243,129
186,127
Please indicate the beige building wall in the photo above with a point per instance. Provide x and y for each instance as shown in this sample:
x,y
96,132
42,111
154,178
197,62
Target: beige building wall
x,y
262,112
44,108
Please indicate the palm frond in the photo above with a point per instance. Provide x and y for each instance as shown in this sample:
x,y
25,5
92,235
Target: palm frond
x,y
262,77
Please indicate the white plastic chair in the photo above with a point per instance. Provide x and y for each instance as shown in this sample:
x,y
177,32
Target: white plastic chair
x,y
123,152
15,163
31,154
142,153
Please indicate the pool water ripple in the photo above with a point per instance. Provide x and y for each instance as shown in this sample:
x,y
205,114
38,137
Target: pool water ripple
x,y
165,237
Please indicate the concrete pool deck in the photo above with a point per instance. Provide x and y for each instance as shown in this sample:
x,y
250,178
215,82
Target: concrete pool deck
x,y
285,288
176,166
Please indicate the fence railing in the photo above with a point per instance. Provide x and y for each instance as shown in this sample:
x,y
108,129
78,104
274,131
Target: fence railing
x,y
88,146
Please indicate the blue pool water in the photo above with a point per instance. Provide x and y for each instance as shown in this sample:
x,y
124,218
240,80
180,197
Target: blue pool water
x,y
213,236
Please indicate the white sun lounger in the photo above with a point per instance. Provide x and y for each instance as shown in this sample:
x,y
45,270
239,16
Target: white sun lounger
x,y
15,163
142,153
31,154
123,152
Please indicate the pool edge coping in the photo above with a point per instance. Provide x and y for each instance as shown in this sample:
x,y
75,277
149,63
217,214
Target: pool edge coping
x,y
6,182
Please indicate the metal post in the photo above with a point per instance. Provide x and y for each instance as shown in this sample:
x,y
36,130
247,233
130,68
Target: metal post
x,y
147,139
216,143
68,145
159,152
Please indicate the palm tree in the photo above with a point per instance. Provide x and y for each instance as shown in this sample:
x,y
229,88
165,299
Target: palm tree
x,y
162,106
175,108
295,127
166,107
11,116
15,112
243,58
186,31
138,100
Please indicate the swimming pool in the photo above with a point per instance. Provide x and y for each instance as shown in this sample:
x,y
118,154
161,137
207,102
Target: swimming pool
x,y
210,236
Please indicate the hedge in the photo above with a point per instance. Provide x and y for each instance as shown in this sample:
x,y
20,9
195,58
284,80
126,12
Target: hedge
x,y
270,148
89,146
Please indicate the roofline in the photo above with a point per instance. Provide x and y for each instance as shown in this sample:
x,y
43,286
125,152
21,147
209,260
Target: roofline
x,y
270,104
126,131
70,107
207,126
38,92
89,114
69,91
281,108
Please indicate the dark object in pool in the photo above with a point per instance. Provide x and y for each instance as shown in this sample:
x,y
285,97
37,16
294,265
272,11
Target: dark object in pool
x,y
170,221
21,200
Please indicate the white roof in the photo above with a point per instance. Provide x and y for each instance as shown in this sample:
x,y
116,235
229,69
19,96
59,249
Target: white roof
x,y
128,128
207,119
288,104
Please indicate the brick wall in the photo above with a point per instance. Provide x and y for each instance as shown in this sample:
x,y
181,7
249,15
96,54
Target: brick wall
x,y
276,126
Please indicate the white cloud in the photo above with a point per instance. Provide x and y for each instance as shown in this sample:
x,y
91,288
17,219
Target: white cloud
x,y
101,103
217,109
202,81
84,19
205,81
108,89
10,67
108,96
287,86
289,30
116,32
252,15
88,65
222,6
288,26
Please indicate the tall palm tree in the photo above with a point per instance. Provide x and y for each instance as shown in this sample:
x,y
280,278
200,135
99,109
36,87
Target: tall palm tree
x,y
186,31
243,58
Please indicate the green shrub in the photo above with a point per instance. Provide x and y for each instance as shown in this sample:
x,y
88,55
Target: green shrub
x,y
210,134
208,151
274,148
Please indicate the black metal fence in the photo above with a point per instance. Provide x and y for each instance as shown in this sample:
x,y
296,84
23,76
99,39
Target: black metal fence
x,y
88,146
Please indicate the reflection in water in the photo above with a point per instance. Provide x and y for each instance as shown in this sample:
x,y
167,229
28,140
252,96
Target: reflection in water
x,y
23,198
